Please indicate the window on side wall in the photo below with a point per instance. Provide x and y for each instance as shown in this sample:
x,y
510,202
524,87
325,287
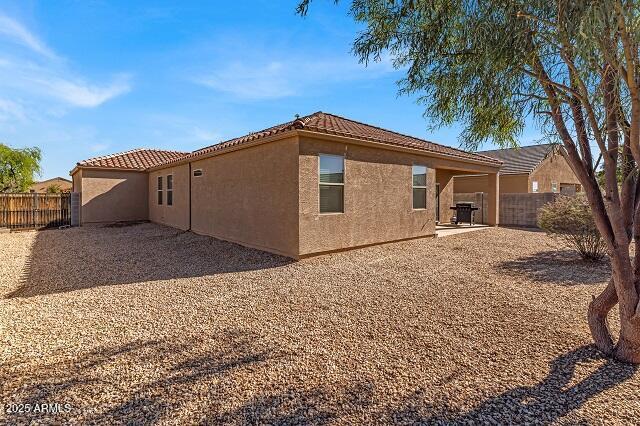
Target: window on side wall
x,y
534,186
159,190
554,186
419,184
331,181
169,190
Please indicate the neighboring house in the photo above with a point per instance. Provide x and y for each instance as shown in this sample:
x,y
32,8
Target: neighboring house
x,y
536,168
317,184
64,184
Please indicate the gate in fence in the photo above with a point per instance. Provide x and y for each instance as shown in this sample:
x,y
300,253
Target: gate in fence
x,y
34,210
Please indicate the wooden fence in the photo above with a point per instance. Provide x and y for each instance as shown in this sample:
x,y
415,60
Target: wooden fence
x,y
34,210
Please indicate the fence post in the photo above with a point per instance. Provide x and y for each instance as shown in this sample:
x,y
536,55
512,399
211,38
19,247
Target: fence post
x,y
35,210
75,209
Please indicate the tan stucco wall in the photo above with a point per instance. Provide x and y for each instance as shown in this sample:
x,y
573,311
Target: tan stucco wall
x,y
176,215
76,178
508,183
446,181
377,198
250,196
553,169
469,184
113,195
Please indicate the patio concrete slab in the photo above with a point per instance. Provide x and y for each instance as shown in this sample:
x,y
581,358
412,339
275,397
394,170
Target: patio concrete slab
x,y
447,230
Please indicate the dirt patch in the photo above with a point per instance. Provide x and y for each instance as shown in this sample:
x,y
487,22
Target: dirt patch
x,y
147,323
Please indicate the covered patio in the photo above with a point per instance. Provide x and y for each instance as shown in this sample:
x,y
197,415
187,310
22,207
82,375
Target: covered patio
x,y
444,192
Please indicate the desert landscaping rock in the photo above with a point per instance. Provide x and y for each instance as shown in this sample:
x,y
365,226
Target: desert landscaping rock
x,y
147,323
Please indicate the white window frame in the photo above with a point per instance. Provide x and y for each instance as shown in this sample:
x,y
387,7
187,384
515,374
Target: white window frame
x,y
160,198
534,186
554,187
332,184
426,172
170,190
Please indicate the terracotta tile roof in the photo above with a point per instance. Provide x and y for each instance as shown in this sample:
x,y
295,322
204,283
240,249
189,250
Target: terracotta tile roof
x,y
521,160
322,122
136,159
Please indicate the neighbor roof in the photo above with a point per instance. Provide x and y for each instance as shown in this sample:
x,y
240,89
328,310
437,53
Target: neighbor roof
x,y
322,122
520,160
52,179
136,159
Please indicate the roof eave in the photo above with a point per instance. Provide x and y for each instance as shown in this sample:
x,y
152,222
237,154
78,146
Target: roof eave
x,y
120,169
394,147
258,141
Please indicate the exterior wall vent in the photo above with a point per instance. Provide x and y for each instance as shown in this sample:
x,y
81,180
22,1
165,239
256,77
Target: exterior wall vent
x,y
197,173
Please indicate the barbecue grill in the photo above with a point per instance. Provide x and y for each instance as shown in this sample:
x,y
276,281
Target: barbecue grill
x,y
464,212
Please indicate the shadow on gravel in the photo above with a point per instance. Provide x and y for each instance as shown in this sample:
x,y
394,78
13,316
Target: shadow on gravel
x,y
210,382
564,267
82,258
146,381
555,397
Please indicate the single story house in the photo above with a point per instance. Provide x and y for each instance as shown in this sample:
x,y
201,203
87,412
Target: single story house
x,y
63,184
527,169
114,188
317,184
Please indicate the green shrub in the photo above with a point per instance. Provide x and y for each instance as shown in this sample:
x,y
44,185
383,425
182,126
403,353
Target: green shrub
x,y
570,219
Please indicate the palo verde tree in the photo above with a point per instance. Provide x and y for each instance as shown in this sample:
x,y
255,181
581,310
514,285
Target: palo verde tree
x,y
571,65
17,168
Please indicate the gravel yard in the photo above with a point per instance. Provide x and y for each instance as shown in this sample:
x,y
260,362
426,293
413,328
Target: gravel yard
x,y
149,323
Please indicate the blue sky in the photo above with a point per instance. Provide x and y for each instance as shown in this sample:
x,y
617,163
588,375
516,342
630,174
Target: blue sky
x,y
86,78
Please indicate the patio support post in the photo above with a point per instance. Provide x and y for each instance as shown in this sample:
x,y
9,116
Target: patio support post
x,y
493,211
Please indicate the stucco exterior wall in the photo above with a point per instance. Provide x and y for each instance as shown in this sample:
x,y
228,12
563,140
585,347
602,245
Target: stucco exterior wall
x,y
446,184
176,215
113,195
508,184
469,184
511,184
250,196
76,178
553,169
377,198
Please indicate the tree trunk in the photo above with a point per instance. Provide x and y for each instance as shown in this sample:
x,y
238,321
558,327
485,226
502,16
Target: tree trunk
x,y
628,347
597,316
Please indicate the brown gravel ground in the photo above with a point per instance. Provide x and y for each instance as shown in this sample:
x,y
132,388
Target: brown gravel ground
x,y
148,323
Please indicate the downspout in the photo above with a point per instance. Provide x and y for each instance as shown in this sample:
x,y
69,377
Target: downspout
x,y
190,176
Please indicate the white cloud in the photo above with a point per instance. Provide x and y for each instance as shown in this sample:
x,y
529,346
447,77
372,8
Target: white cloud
x,y
200,134
268,81
250,78
10,110
45,75
15,31
98,147
81,94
